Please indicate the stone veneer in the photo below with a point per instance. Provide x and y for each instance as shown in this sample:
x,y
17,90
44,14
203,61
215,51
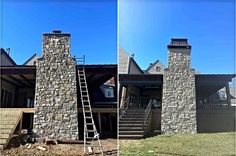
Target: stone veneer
x,y
56,115
179,99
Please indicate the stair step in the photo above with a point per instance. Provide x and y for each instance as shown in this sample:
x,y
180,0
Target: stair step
x,y
124,136
6,126
3,141
5,131
8,115
130,125
134,114
8,122
132,132
130,128
4,136
132,119
128,121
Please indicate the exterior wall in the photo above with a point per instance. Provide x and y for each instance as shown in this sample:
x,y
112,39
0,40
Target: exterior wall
x,y
156,119
56,115
133,69
208,120
179,99
4,61
32,61
220,120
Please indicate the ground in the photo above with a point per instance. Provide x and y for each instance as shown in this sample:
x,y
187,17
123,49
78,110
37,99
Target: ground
x,y
181,144
17,147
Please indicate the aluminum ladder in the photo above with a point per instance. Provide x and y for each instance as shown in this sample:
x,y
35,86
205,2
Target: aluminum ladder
x,y
92,143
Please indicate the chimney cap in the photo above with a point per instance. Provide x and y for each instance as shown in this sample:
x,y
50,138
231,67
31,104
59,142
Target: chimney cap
x,y
179,43
56,31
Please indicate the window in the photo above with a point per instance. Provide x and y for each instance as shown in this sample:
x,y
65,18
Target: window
x,y
222,95
6,98
30,102
109,93
158,69
34,62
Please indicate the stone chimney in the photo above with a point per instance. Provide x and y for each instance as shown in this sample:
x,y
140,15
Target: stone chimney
x,y
179,99
56,114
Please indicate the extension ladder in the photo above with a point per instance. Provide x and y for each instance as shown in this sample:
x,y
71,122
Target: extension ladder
x,y
92,143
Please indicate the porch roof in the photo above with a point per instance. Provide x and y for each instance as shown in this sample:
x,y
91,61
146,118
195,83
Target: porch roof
x,y
141,79
23,76
206,84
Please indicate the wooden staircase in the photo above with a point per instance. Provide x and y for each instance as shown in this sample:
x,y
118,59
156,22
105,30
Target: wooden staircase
x,y
131,124
9,120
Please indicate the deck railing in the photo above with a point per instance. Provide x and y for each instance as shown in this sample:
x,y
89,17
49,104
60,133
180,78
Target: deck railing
x,y
125,106
147,113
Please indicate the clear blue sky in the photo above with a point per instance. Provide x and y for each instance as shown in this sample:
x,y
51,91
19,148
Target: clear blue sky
x,y
146,27
92,24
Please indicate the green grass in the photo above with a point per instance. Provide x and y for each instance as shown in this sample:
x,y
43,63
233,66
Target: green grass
x,y
181,145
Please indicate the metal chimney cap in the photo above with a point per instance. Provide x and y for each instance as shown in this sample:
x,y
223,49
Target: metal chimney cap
x,y
56,31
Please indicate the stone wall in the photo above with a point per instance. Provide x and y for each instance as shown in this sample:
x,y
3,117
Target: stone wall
x,y
179,99
56,115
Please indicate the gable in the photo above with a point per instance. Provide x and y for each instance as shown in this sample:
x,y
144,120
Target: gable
x,y
156,68
6,60
32,60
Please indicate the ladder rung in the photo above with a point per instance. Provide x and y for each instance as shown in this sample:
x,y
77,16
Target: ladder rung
x,y
90,130
90,124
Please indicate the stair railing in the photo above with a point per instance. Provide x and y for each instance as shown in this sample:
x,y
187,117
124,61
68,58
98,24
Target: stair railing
x,y
147,113
126,104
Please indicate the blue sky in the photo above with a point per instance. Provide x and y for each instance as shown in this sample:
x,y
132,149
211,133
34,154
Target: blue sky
x,y
92,24
146,27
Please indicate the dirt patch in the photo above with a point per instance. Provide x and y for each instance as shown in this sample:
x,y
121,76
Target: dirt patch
x,y
17,146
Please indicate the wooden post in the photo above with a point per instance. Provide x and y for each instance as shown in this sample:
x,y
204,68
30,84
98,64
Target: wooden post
x,y
100,123
110,122
31,120
228,94
21,120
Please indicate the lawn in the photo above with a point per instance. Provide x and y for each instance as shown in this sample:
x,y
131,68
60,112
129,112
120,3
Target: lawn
x,y
181,145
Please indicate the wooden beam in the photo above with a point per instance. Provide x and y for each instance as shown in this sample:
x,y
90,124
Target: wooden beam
x,y
27,80
10,82
18,81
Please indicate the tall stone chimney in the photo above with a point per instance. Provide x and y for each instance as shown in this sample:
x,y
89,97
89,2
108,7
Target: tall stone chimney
x,y
179,99
56,115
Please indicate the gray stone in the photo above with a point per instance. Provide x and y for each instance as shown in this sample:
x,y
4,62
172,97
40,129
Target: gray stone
x,y
55,78
179,99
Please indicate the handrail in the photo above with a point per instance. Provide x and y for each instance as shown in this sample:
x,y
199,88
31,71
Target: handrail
x,y
147,113
125,108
